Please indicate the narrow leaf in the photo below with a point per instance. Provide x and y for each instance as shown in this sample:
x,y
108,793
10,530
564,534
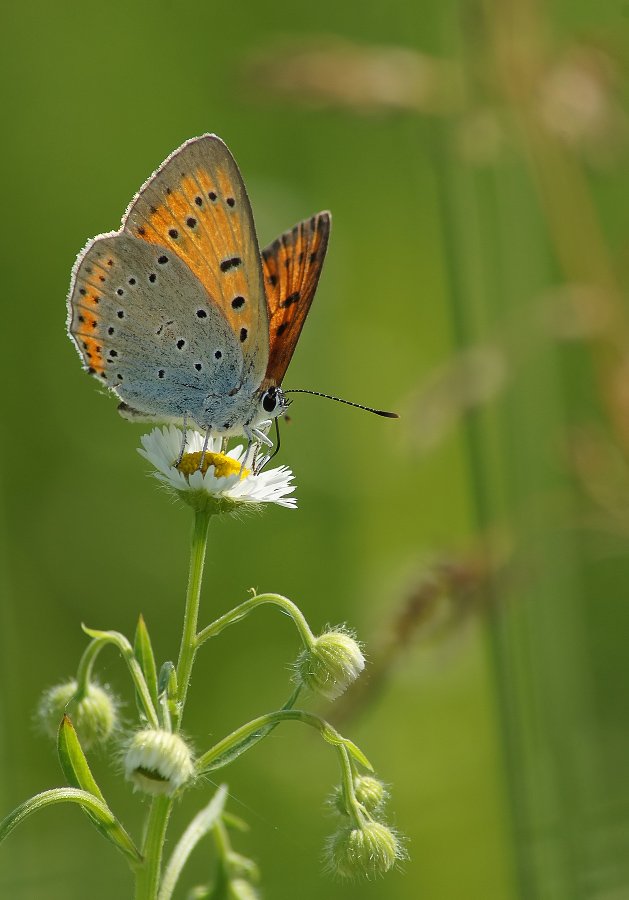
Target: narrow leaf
x,y
167,680
249,740
168,691
73,761
236,822
76,769
146,658
358,754
236,750
203,822
97,809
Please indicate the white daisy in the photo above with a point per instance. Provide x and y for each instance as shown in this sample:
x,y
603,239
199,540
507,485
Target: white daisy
x,y
222,482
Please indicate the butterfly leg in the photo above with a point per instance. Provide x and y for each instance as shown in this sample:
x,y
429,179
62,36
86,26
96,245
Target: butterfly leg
x,y
185,439
252,443
256,434
255,458
245,459
206,441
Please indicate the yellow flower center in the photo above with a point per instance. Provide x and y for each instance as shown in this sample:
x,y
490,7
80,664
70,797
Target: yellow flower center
x,y
223,465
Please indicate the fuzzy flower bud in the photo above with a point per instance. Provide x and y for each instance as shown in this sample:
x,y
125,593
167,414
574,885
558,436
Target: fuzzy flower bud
x,y
370,792
364,851
94,716
330,665
158,762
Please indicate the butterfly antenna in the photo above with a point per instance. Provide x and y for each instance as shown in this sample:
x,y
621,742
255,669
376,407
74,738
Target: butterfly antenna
x,y
376,412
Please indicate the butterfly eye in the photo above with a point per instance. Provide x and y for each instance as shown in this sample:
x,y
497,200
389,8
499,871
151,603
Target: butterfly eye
x,y
270,400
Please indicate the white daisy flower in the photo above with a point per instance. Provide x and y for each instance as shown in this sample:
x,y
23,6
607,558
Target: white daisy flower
x,y
222,482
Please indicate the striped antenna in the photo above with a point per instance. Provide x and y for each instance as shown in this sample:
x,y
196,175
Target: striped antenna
x,y
376,412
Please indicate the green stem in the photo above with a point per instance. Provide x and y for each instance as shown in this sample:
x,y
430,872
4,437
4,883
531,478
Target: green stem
x,y
128,655
239,612
86,664
349,794
223,849
189,641
228,745
149,875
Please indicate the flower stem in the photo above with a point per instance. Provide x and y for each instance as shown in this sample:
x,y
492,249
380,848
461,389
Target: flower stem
x,y
148,878
349,794
86,664
240,739
189,642
149,874
243,609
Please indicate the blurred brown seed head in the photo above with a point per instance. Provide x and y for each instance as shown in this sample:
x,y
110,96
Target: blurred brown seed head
x,y
470,380
601,469
577,312
578,103
367,79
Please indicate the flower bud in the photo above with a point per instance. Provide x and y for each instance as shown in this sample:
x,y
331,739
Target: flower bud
x,y
94,716
158,762
364,851
370,792
330,664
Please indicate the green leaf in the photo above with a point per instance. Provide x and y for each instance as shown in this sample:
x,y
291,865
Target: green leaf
x,y
98,811
167,689
252,739
73,761
203,822
358,754
167,679
146,658
236,750
76,769
233,821
126,651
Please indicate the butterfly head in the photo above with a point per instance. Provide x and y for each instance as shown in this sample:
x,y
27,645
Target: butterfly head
x,y
274,402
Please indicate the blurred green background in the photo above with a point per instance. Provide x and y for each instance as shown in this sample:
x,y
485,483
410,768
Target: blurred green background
x,y
474,156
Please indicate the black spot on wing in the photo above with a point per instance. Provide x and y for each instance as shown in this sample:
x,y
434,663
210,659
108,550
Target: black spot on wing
x,y
292,298
232,263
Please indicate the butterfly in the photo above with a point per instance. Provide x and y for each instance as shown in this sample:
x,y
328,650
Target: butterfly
x,y
178,312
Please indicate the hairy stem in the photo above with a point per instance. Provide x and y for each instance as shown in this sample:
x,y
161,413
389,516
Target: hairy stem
x,y
149,874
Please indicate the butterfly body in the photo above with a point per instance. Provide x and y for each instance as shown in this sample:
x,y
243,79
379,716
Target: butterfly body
x,y
179,314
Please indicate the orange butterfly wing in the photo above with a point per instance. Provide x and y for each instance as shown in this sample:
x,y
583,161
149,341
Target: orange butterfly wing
x,y
292,265
196,206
